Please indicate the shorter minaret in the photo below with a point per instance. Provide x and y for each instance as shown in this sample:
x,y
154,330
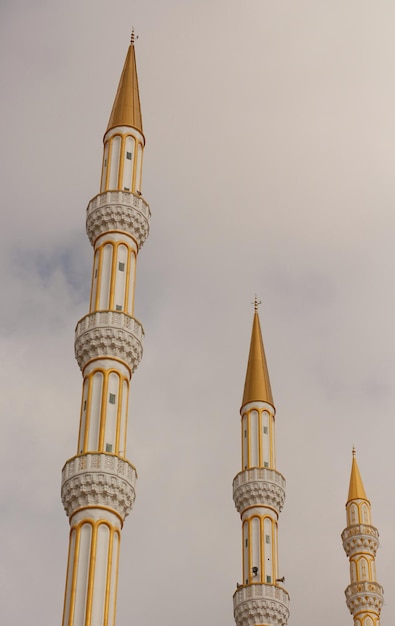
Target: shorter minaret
x,y
364,596
259,494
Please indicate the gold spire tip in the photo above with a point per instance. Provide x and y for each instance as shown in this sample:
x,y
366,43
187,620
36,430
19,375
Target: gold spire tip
x,y
257,383
126,110
356,489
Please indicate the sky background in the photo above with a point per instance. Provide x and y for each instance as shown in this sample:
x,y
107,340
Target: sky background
x,y
269,169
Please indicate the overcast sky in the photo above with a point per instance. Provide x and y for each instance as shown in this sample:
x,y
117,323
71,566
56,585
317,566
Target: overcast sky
x,y
269,168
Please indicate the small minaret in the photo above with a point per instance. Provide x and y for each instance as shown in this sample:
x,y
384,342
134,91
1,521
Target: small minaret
x,y
98,483
259,494
364,596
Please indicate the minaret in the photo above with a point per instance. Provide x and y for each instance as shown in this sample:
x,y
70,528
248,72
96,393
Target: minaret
x,y
98,483
259,494
364,596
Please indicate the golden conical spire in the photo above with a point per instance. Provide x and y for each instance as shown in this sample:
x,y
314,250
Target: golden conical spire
x,y
126,110
356,490
257,383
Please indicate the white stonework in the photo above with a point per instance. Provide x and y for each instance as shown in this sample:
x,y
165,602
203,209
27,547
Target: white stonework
x,y
120,211
98,480
360,538
109,334
364,596
261,604
258,486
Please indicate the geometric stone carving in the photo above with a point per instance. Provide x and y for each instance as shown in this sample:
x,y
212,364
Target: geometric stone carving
x,y
360,538
364,596
259,486
109,334
261,604
118,210
98,479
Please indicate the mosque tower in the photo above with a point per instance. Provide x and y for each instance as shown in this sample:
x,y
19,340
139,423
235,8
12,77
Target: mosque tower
x,y
364,596
98,483
259,494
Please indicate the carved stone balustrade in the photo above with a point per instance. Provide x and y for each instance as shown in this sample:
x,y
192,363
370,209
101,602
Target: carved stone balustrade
x,y
261,604
118,211
109,334
257,486
98,479
360,537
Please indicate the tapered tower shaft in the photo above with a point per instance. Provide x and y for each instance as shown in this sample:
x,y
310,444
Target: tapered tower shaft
x,y
259,494
98,483
364,595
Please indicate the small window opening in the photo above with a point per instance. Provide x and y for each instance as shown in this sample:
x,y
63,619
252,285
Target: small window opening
x,y
129,156
126,188
245,434
121,267
96,273
246,543
266,430
84,405
118,307
266,464
267,538
108,447
268,579
112,398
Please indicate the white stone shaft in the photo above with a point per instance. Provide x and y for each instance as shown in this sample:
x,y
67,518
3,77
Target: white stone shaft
x,y
364,595
259,494
98,484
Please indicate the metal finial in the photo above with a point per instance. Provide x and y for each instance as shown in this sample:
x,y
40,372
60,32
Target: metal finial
x,y
256,302
353,452
132,36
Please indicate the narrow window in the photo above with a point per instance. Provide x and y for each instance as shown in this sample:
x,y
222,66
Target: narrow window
x,y
267,538
108,447
118,307
265,430
84,405
246,543
129,156
266,464
268,579
126,188
105,162
96,273
112,398
121,267
245,434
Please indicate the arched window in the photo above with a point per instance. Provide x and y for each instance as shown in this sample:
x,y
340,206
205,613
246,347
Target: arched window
x,y
353,514
353,572
365,514
363,569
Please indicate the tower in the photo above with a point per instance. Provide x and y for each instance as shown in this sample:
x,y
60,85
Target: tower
x,y
364,595
259,494
98,483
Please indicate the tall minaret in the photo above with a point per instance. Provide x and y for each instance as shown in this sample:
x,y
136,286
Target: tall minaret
x,y
98,482
364,596
259,494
